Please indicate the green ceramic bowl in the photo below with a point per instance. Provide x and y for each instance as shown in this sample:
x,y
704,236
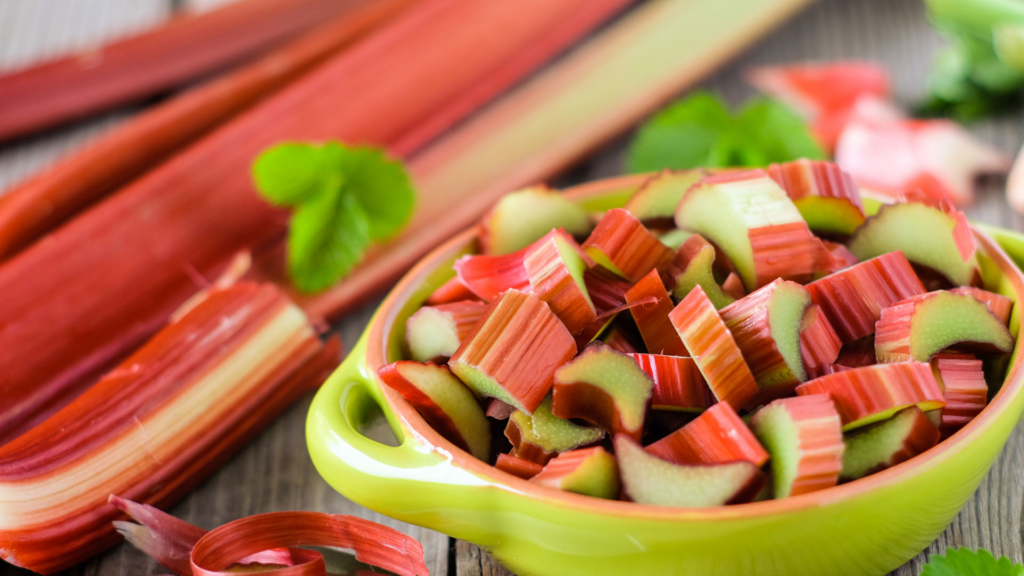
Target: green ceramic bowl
x,y
867,527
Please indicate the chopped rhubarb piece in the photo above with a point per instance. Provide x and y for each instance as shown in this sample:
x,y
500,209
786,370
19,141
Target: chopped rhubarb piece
x,y
1000,305
451,291
921,326
750,218
733,287
659,335
860,352
678,383
852,299
826,94
499,410
819,344
517,466
692,266
647,479
804,438
607,289
930,236
617,340
589,471
437,331
556,265
539,437
513,352
674,238
886,444
713,349
765,325
443,401
521,218
621,244
840,257
657,198
717,436
871,393
606,388
963,385
488,277
938,157
826,197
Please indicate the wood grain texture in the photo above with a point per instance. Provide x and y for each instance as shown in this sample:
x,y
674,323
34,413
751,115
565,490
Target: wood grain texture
x,y
274,472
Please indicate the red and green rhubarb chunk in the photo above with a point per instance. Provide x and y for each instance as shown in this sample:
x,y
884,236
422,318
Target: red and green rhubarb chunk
x,y
521,218
693,265
887,443
588,471
538,438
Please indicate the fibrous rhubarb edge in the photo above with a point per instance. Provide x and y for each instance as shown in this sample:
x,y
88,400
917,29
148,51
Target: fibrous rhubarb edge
x,y
804,437
827,198
555,266
964,388
678,383
853,299
657,198
517,466
659,335
443,401
647,479
819,343
921,326
588,471
715,437
871,393
522,217
886,444
621,244
435,332
693,266
713,349
606,388
514,351
538,438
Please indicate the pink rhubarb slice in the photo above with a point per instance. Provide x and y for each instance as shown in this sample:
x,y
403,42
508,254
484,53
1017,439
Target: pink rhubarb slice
x,y
517,466
621,244
588,471
659,335
555,265
435,332
521,218
819,344
693,266
715,437
678,383
886,444
538,438
963,385
1000,305
657,198
827,198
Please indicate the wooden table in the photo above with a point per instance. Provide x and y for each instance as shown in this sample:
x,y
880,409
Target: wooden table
x,y
274,472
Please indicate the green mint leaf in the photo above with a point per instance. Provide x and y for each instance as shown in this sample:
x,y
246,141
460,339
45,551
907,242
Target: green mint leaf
x,y
964,562
775,134
380,184
681,136
290,173
327,238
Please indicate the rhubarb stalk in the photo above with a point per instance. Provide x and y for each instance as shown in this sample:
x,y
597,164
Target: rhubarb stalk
x,y
678,383
659,334
717,436
435,332
623,245
963,386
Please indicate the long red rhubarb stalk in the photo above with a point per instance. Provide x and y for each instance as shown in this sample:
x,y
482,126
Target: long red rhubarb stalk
x,y
157,425
77,303
146,64
41,203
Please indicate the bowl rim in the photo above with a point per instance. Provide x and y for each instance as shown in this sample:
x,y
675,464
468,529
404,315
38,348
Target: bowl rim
x,y
403,291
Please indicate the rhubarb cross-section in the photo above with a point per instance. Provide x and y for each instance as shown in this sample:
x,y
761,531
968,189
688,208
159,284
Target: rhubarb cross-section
x,y
827,198
693,266
540,437
555,265
621,244
659,335
819,344
521,218
588,471
657,198
886,444
963,385
436,332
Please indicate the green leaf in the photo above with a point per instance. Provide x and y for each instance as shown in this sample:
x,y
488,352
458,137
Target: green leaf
x,y
681,136
964,562
380,184
290,173
327,238
775,134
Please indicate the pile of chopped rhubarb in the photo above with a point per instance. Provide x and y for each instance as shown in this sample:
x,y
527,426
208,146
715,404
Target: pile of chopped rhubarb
x,y
740,336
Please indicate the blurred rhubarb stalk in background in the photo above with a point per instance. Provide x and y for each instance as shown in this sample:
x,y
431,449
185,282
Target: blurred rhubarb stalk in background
x,y
1015,184
155,426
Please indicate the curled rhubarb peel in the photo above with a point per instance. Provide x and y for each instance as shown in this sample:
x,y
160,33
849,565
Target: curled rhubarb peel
x,y
555,266
435,332
513,352
921,326
517,466
717,436
869,394
750,218
937,237
451,291
444,402
1000,305
819,344
647,479
804,438
538,438
765,325
606,388
656,199
853,299
268,539
521,218
964,388
678,383
587,471
623,245
157,424
713,349
659,335
886,444
827,198
693,266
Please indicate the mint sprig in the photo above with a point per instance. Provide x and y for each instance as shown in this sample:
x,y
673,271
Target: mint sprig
x,y
343,198
700,131
964,562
